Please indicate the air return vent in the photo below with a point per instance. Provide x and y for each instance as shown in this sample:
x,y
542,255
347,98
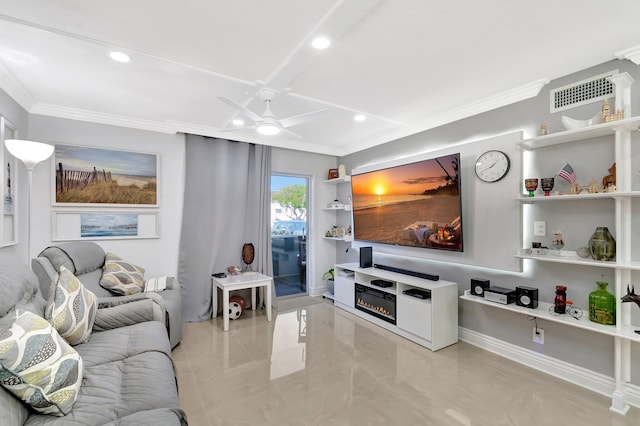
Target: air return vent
x,y
583,92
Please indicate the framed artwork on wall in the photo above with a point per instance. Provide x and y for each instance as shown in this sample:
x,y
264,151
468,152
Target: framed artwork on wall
x,y
70,225
96,176
8,177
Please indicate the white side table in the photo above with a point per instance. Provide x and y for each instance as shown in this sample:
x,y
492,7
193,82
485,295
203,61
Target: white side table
x,y
250,280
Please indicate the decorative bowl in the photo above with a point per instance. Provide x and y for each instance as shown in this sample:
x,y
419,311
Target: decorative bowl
x,y
572,123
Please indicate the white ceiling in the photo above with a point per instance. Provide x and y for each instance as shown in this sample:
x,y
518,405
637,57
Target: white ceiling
x,y
409,65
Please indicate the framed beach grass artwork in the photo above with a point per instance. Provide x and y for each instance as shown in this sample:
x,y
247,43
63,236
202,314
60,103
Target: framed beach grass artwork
x,y
97,176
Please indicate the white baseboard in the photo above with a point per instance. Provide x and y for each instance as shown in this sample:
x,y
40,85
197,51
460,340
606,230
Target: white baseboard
x,y
571,373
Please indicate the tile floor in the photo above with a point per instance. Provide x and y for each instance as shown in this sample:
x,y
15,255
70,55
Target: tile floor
x,y
319,365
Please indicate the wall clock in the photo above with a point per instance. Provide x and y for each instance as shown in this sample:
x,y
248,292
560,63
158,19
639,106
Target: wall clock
x,y
492,166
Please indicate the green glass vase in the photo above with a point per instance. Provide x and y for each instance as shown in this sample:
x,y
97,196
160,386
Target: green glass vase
x,y
602,305
602,245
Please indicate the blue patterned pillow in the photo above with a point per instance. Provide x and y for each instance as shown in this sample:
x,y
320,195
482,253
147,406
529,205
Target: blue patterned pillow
x,y
37,365
72,311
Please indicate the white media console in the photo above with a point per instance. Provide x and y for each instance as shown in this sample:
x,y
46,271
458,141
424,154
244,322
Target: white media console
x,y
430,322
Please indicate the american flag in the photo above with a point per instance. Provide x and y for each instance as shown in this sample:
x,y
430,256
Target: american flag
x,y
567,173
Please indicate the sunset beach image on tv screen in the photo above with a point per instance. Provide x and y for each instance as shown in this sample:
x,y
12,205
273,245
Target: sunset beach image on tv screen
x,y
416,204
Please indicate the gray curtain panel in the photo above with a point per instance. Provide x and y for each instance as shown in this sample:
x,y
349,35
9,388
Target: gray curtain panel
x,y
226,204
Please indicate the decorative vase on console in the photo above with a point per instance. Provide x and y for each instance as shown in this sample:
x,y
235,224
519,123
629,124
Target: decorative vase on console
x,y
602,305
602,245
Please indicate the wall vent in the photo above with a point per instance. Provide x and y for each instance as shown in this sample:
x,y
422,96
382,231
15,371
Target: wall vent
x,y
583,92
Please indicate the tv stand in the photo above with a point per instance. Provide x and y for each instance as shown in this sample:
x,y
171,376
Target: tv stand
x,y
430,322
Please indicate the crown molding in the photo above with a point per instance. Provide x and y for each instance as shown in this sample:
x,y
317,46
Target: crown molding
x,y
508,97
16,90
632,54
101,118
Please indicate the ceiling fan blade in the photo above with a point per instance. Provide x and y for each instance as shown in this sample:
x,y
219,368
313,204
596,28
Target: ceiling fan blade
x,y
301,118
246,111
290,133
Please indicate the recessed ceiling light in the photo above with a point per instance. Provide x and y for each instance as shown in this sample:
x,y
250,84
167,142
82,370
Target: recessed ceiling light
x,y
120,57
238,122
359,118
320,43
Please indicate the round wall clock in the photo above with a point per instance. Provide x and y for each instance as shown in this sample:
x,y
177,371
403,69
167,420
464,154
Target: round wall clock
x,y
492,166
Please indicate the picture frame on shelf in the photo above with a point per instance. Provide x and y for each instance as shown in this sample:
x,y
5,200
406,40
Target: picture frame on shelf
x,y
333,174
80,174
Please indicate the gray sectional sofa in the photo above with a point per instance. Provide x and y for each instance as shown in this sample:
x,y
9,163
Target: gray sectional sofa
x,y
85,260
127,372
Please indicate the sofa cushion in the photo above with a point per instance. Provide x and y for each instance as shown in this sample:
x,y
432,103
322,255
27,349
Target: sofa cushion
x,y
18,287
128,380
79,257
72,309
121,277
37,365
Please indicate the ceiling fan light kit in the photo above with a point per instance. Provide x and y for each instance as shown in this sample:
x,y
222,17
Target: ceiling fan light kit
x,y
267,124
268,129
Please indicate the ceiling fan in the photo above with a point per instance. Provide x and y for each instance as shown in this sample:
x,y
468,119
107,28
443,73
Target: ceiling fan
x,y
267,124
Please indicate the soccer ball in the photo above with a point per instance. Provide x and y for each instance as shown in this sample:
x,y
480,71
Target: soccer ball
x,y
235,310
240,300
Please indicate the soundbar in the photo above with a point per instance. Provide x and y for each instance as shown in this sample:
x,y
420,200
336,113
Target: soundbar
x,y
408,272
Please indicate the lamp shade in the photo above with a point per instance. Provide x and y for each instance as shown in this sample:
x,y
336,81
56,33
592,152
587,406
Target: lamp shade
x,y
29,152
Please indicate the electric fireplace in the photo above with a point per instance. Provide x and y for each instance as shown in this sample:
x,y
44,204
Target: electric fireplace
x,y
375,302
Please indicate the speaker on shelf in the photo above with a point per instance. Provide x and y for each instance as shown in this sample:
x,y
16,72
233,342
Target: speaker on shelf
x,y
527,297
478,286
366,257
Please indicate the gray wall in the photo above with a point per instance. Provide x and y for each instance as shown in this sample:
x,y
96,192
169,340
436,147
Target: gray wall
x,y
589,350
158,256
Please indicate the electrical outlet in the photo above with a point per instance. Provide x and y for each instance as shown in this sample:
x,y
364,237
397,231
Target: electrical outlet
x,y
538,335
539,228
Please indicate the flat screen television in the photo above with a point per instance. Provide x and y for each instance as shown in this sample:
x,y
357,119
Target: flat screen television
x,y
416,204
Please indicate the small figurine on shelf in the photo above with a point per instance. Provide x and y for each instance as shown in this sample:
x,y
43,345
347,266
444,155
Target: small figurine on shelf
x,y
593,187
631,296
609,179
543,129
608,116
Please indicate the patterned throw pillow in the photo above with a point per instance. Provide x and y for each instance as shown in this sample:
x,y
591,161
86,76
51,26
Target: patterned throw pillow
x,y
120,277
73,308
37,365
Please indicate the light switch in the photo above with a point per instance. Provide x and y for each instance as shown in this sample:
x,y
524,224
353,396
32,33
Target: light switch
x,y
539,228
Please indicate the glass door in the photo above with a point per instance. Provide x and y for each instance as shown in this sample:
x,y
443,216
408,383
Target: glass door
x,y
289,226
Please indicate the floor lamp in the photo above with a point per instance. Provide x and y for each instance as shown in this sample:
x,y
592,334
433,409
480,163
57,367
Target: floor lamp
x,y
30,153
